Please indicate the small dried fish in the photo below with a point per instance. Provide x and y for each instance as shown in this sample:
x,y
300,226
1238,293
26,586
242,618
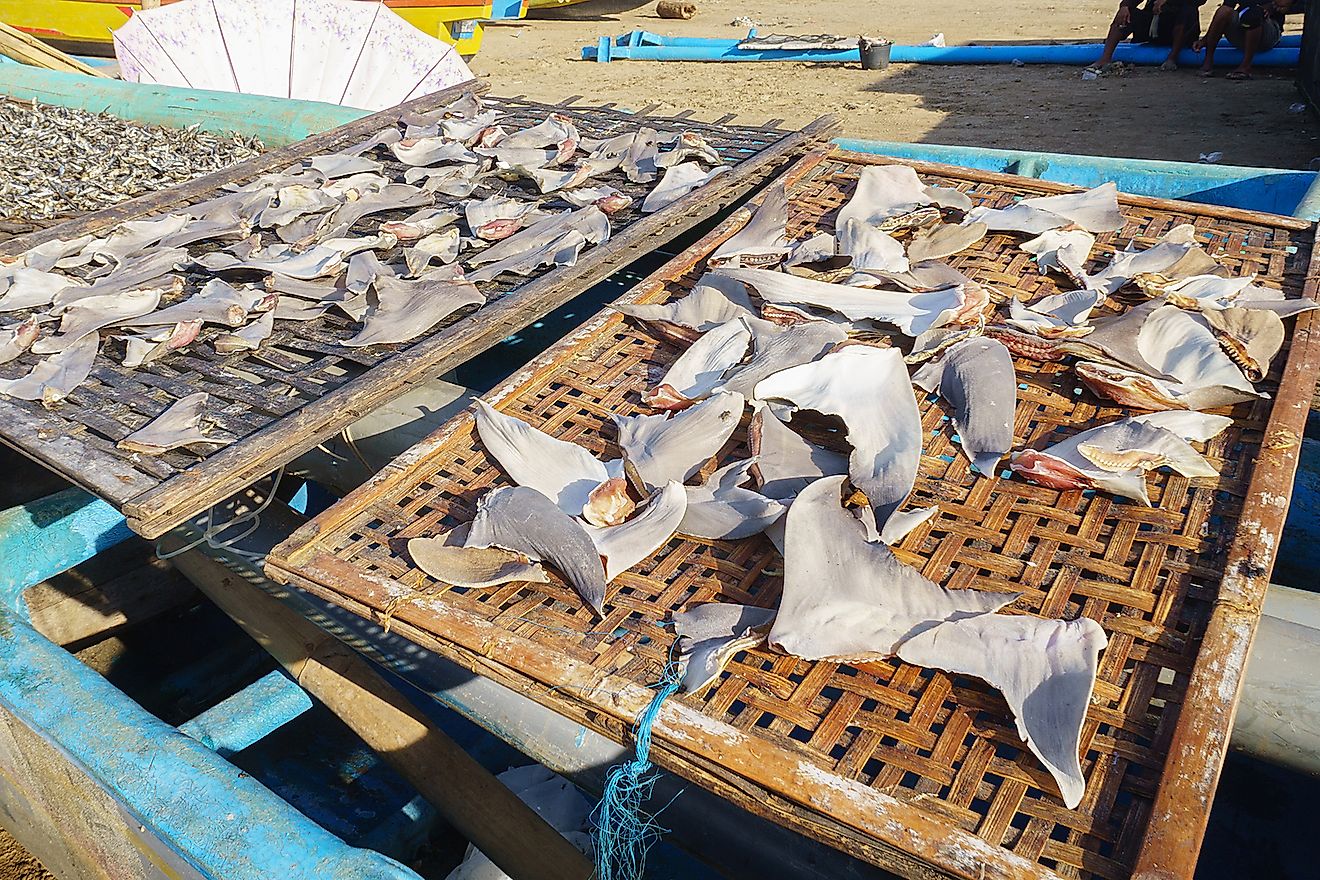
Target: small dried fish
x,y
61,160
179,425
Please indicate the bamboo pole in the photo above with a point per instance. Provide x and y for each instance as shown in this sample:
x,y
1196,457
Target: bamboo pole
x,y
477,804
29,50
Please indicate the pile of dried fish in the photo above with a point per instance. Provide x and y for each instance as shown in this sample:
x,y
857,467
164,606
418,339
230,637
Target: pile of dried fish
x,y
393,234
62,161
820,325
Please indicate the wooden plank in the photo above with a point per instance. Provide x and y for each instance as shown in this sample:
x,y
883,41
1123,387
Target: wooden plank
x,y
477,804
1200,740
159,509
110,478
883,819
73,613
29,50
194,190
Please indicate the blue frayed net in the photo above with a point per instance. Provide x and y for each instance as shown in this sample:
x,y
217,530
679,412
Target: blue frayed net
x,y
624,833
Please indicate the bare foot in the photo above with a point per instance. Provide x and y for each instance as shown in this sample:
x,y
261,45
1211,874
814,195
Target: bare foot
x,y
1169,64
1205,72
1239,75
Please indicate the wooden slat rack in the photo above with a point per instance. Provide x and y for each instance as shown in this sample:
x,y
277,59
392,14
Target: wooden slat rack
x,y
911,769
302,386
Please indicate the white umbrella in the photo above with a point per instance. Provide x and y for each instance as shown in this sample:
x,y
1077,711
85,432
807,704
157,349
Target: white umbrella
x,y
349,52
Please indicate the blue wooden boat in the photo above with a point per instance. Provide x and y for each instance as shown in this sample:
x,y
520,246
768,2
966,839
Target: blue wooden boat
x,y
103,770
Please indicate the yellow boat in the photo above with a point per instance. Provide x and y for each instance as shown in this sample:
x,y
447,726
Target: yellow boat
x,y
84,26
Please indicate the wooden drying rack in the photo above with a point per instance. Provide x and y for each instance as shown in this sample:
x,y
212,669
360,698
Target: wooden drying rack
x,y
913,770
298,400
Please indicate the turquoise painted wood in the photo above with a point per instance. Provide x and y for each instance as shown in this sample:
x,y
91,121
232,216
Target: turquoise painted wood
x,y
1273,190
277,121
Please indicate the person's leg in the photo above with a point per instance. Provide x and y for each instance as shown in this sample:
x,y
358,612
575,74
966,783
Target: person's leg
x,y
1180,33
1250,43
1118,29
1218,25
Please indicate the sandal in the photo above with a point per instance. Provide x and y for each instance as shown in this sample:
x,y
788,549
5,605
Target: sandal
x,y
1205,74
1238,76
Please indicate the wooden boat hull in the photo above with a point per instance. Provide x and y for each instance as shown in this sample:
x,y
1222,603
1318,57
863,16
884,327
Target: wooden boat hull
x,y
85,25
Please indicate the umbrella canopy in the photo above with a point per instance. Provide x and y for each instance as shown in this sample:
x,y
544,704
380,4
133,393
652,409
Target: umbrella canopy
x,y
349,52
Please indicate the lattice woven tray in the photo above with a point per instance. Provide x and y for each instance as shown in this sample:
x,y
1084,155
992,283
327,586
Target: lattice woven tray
x,y
302,385
911,769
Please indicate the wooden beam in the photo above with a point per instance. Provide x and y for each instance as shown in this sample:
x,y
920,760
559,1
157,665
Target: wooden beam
x,y
29,50
477,804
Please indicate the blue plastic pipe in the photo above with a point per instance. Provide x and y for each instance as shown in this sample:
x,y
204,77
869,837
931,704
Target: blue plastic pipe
x,y
644,48
48,536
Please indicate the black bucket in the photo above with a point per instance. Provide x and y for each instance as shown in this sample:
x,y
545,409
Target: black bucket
x,y
874,52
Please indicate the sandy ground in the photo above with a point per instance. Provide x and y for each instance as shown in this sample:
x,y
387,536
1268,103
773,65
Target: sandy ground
x,y
1146,113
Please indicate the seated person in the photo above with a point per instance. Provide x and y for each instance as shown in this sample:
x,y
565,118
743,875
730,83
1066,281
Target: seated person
x,y
1250,25
1172,23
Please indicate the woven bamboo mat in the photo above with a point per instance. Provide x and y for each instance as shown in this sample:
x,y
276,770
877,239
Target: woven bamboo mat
x,y
303,385
909,768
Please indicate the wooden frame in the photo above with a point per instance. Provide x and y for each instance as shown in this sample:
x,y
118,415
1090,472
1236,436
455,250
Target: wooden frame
x,y
154,505
346,556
